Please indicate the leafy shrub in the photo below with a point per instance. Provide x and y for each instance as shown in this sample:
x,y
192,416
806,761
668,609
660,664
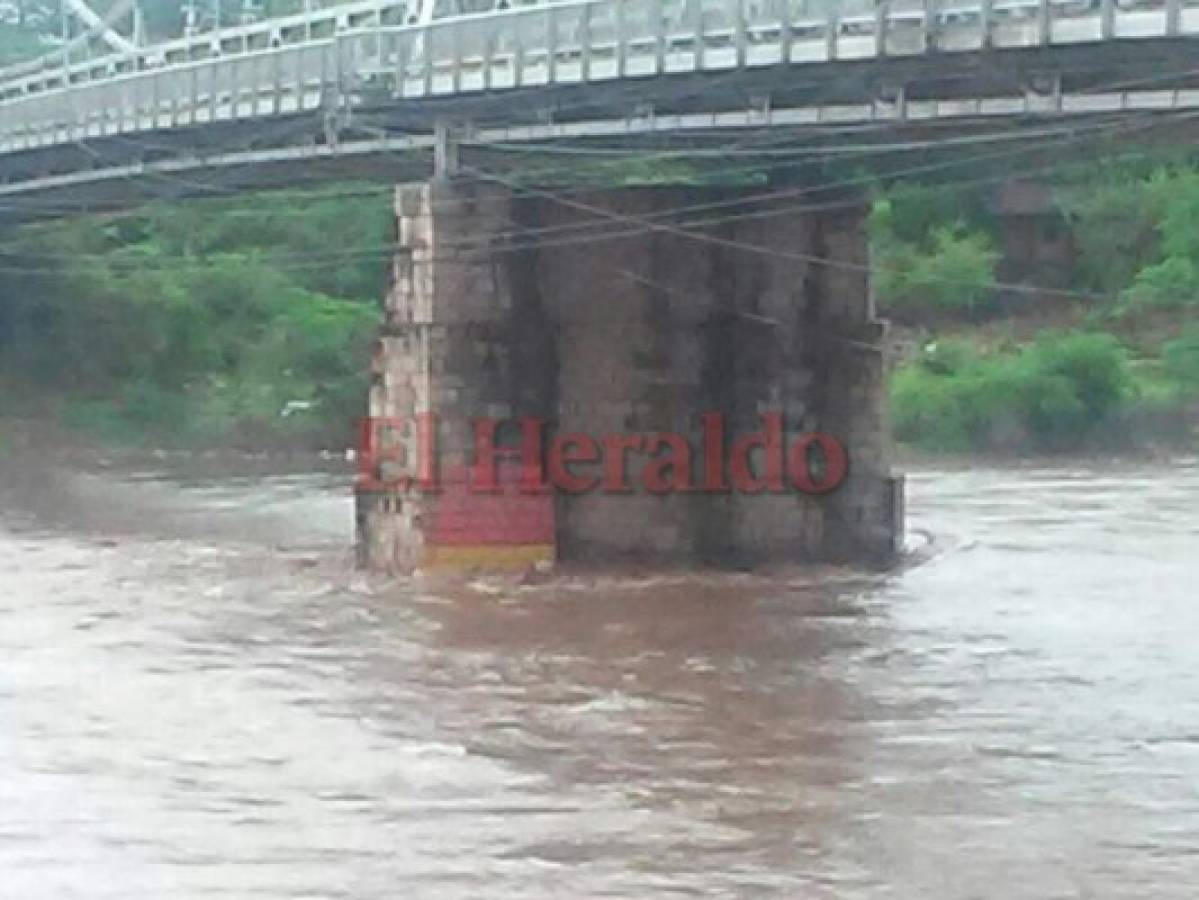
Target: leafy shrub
x,y
910,212
1170,284
1176,202
939,412
1095,366
1181,359
1113,213
959,272
956,274
1137,235
197,321
1049,396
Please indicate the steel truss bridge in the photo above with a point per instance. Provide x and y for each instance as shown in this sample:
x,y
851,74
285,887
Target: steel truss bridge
x,y
376,87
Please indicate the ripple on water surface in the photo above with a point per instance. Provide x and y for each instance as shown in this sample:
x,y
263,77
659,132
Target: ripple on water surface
x,y
199,698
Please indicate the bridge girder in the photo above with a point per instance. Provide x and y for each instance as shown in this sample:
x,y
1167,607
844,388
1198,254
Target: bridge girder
x,y
355,88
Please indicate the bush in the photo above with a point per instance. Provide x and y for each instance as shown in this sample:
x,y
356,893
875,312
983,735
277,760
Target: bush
x,y
1095,366
1176,202
955,275
1170,284
941,412
1048,396
910,213
197,321
1181,360
1114,216
959,272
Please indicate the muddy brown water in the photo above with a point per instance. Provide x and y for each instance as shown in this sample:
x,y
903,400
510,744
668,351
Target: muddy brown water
x,y
199,698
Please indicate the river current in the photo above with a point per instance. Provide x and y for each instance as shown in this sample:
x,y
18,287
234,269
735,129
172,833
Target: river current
x,y
200,698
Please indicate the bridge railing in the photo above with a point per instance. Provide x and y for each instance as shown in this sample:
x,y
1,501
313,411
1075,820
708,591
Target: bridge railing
x,y
596,40
275,82
575,42
53,72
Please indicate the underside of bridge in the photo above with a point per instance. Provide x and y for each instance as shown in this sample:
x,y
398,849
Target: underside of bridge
x,y
658,391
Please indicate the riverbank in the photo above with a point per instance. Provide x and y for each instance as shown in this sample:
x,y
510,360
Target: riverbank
x,y
211,327
1070,327
205,325
1074,392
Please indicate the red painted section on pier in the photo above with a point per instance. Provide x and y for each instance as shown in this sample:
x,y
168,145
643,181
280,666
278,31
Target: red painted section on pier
x,y
509,516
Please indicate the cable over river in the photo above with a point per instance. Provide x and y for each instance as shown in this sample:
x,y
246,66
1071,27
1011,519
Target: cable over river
x,y
199,698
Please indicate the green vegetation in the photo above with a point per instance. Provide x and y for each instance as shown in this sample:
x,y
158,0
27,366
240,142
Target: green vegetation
x,y
1112,358
1181,359
247,321
1051,395
952,271
244,322
233,322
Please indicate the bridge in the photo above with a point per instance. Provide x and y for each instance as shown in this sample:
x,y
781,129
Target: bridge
x,y
763,309
355,87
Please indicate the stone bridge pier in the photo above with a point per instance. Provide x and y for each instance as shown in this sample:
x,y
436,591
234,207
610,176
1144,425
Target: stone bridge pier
x,y
626,371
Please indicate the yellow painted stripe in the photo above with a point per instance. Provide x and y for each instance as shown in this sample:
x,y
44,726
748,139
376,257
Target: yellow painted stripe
x,y
487,557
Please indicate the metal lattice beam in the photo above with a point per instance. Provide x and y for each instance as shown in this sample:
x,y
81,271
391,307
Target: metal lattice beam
x,y
102,27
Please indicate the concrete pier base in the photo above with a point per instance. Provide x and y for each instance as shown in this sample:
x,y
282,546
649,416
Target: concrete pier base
x,y
508,307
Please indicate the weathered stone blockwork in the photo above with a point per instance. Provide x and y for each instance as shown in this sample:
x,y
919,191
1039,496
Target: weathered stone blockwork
x,y
499,309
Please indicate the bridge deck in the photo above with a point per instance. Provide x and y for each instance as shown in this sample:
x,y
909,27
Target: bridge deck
x,y
899,62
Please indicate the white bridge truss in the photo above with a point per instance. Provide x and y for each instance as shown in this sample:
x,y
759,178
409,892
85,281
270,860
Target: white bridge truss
x,y
335,60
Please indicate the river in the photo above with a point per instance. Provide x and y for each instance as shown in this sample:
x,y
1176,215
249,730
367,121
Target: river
x,y
200,698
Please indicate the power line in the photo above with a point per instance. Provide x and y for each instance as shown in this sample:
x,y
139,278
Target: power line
x,y
765,166
789,193
642,224
595,231
531,148
638,227
791,256
683,92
